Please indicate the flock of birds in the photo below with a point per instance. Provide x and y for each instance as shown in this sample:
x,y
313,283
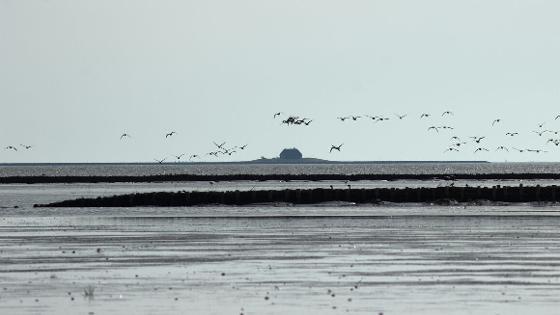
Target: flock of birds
x,y
22,146
456,143
220,149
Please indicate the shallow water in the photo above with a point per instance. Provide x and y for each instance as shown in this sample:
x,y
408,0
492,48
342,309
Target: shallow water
x,y
260,169
324,259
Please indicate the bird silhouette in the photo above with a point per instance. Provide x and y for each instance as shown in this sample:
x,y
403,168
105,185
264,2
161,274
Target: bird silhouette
x,y
277,114
511,134
447,112
170,134
495,121
125,135
556,142
502,148
243,147
178,157
193,156
219,146
480,149
290,120
334,147
540,133
11,147
160,161
433,128
27,147
477,139
400,117
424,115
372,117
536,151
458,144
451,149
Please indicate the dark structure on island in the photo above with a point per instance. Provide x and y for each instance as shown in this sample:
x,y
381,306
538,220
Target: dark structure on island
x,y
291,154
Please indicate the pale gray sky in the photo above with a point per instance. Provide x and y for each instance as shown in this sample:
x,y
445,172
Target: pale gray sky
x,y
75,74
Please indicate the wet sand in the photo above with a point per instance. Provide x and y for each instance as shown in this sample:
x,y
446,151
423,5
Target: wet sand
x,y
332,259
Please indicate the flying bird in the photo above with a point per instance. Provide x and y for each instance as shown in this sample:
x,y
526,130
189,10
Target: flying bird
x,y
11,147
27,147
511,134
243,147
451,149
477,139
481,149
334,147
447,112
497,120
536,150
193,156
125,135
540,133
424,115
502,148
433,128
555,141
160,161
401,116
277,114
178,157
292,120
458,144
170,134
557,116
219,146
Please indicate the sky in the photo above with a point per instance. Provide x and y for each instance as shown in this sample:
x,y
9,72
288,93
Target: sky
x,y
76,74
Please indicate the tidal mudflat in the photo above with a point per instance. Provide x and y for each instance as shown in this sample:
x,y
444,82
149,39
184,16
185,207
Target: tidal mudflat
x,y
275,259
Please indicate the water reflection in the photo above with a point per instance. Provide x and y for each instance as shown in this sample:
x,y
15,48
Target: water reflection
x,y
280,259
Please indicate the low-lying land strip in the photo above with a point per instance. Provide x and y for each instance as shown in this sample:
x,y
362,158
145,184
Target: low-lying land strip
x,y
440,195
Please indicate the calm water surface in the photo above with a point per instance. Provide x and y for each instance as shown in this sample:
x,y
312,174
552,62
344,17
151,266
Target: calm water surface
x,y
273,259
227,169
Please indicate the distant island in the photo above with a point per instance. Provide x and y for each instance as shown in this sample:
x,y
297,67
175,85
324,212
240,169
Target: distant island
x,y
294,156
286,156
290,156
